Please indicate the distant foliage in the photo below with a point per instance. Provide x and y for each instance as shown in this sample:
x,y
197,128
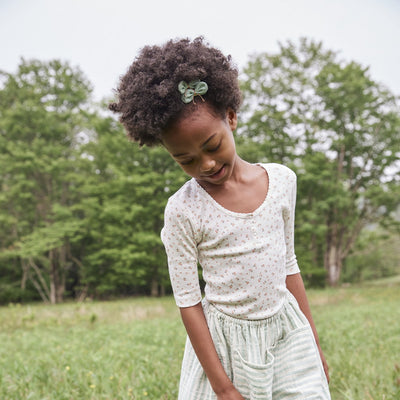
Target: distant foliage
x,y
340,131
81,207
376,255
43,110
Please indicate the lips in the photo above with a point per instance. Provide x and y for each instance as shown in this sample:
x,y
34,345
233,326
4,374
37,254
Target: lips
x,y
217,174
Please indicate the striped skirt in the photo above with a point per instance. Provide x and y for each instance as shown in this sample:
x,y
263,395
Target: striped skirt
x,y
271,359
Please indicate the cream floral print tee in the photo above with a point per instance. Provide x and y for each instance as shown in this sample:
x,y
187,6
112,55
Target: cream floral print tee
x,y
245,257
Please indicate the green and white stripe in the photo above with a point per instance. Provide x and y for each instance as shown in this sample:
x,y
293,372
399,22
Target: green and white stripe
x,y
270,359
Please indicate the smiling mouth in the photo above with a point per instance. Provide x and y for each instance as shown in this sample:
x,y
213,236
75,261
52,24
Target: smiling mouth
x,y
215,174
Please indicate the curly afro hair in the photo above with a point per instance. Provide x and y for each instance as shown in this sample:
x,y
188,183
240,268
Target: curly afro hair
x,y
148,98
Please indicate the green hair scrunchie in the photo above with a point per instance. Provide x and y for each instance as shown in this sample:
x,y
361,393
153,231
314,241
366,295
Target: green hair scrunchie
x,y
192,89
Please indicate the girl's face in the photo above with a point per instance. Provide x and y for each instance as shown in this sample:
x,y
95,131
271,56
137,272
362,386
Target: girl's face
x,y
203,145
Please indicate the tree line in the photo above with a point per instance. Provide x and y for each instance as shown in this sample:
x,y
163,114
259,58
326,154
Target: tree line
x,y
81,207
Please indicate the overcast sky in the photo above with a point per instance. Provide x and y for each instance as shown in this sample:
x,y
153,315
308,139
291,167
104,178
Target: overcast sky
x,y
102,37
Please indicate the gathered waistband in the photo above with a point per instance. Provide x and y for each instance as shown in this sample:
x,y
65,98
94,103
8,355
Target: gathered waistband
x,y
290,303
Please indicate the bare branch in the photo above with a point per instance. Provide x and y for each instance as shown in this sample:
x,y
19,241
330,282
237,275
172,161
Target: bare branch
x,y
40,276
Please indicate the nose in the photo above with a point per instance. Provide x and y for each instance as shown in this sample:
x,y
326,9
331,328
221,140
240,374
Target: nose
x,y
207,164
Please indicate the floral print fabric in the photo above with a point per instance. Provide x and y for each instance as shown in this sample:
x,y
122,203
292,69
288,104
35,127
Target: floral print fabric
x,y
245,257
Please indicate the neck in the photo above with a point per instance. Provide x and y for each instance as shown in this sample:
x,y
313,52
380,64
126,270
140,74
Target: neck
x,y
240,170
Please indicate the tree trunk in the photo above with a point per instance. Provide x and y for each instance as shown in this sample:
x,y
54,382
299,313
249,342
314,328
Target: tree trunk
x,y
62,267
25,273
154,287
333,266
333,260
53,278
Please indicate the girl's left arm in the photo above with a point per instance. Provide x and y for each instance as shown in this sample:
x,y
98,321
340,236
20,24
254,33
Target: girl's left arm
x,y
295,285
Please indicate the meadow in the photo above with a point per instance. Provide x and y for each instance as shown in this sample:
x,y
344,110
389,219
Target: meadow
x,y
131,349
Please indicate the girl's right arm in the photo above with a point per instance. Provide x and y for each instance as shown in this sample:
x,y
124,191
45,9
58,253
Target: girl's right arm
x,y
196,326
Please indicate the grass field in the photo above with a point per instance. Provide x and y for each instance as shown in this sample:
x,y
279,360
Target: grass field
x,y
131,349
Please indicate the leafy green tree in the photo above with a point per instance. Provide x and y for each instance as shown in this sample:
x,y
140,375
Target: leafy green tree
x,y
81,206
41,122
376,255
125,193
340,131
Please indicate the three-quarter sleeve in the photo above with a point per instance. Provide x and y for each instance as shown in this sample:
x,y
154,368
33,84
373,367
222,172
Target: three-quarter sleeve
x,y
289,217
181,248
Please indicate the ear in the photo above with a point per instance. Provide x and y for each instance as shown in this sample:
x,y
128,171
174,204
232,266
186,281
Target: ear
x,y
231,118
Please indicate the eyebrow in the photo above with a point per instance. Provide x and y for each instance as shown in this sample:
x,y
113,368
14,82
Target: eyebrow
x,y
204,144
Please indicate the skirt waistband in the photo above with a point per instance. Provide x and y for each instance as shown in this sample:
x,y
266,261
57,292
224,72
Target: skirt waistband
x,y
289,303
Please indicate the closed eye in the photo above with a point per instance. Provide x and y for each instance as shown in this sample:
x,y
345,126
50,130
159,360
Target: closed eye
x,y
214,148
185,162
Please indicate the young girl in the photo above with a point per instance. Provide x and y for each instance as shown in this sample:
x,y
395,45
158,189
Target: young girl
x,y
252,336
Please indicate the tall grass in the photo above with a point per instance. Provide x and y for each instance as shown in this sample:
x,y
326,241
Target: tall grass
x,y
360,335
132,349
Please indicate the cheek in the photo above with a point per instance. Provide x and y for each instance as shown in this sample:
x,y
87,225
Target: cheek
x,y
230,149
188,169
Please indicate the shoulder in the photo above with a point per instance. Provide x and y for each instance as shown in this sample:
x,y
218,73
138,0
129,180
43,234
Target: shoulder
x,y
182,213
280,171
187,192
184,200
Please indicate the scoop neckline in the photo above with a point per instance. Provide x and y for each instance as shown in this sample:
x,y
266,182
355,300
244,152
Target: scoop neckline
x,y
239,214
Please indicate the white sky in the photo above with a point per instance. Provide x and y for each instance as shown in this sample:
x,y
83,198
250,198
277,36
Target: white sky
x,y
102,37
